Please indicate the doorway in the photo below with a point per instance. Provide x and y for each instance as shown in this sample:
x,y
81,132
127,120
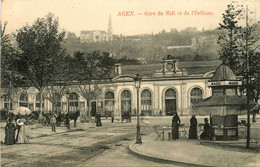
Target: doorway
x,y
170,102
93,108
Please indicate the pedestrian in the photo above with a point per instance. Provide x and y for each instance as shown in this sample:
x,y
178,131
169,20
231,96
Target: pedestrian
x,y
98,117
112,117
193,128
160,113
22,137
175,126
53,122
67,118
18,129
205,135
10,132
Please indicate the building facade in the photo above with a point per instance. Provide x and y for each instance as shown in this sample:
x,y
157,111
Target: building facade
x,y
98,35
168,90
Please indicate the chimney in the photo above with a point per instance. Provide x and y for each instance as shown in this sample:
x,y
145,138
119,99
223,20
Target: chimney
x,y
118,70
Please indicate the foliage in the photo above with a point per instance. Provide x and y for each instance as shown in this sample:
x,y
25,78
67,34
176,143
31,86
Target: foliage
x,y
89,69
127,61
229,37
239,46
10,78
40,51
151,47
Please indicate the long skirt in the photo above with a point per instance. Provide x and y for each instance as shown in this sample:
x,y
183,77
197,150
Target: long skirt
x,y
22,138
193,132
175,132
10,134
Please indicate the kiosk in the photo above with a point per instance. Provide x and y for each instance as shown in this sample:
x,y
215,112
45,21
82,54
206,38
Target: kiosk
x,y
224,105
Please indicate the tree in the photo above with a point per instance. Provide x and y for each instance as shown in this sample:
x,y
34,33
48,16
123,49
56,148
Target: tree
x,y
228,37
59,85
10,79
239,49
91,68
40,50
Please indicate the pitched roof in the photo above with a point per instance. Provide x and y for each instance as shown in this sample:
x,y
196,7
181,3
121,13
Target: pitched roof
x,y
223,73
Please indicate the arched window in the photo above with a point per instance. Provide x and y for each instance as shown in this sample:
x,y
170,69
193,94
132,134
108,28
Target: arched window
x,y
195,95
37,101
109,103
170,94
7,102
23,100
57,100
73,102
146,102
126,101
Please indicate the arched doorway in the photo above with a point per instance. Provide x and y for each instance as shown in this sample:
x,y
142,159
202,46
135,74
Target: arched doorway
x,y
125,102
146,102
93,108
109,103
170,102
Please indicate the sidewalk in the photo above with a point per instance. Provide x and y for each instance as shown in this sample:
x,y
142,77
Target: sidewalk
x,y
192,153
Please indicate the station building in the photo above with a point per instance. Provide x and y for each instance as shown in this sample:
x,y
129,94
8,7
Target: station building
x,y
171,88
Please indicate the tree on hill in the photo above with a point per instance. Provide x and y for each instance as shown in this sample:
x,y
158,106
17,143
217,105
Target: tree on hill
x,y
39,48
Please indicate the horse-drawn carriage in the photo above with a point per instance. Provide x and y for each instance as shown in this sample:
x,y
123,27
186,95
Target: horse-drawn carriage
x,y
61,118
127,116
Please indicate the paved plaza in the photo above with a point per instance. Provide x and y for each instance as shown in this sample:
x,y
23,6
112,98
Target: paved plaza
x,y
113,145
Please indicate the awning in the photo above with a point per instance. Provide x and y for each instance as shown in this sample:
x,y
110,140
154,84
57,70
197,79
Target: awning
x,y
222,105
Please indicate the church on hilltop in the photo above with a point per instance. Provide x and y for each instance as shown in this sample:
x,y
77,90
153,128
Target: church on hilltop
x,y
97,35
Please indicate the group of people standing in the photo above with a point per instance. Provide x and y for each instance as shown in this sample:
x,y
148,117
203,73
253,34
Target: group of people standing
x,y
12,136
193,128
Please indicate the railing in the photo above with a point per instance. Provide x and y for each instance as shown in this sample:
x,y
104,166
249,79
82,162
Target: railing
x,y
85,118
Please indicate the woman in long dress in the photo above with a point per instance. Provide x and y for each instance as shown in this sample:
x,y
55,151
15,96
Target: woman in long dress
x,y
193,128
206,132
22,138
10,133
175,126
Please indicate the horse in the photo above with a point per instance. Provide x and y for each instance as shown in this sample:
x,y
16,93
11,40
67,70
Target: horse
x,y
126,115
73,116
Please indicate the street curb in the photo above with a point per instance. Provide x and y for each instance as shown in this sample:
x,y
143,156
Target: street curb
x,y
237,148
135,152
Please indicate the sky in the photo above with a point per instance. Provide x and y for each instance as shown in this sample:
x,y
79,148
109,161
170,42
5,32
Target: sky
x,y
78,15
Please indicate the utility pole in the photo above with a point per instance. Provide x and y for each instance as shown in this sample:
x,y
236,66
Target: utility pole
x,y
247,83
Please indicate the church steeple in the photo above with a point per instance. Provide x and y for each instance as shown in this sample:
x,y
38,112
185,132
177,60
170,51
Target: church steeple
x,y
110,30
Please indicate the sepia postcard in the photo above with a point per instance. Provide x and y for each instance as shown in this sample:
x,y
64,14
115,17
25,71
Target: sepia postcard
x,y
130,83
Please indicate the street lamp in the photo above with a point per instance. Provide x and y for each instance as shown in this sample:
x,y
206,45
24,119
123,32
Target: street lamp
x,y
137,80
67,119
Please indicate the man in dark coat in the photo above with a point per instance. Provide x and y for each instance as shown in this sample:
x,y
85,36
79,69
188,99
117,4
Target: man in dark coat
x,y
206,132
193,128
10,133
175,126
98,117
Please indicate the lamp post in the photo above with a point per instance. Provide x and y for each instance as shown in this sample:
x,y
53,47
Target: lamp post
x,y
67,118
137,80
